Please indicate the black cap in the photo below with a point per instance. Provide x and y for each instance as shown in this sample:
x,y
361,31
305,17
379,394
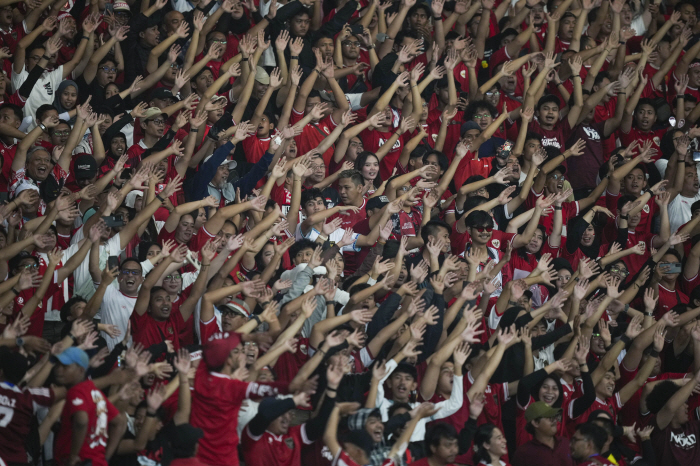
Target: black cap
x,y
548,98
466,126
601,415
163,93
359,438
85,167
377,202
184,438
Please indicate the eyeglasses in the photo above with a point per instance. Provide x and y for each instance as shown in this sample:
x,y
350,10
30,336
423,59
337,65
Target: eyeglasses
x,y
483,229
128,272
220,41
485,115
175,65
173,277
557,177
109,69
492,93
31,266
621,271
158,121
351,43
251,344
596,335
61,133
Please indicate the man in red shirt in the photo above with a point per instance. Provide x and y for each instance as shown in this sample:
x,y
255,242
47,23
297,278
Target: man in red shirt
x,y
545,449
217,397
92,426
351,188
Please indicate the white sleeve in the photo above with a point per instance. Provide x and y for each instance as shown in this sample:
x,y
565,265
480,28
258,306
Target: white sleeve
x,y
451,406
390,366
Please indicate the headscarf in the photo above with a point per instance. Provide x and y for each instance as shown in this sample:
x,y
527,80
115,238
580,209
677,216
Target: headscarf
x,y
57,99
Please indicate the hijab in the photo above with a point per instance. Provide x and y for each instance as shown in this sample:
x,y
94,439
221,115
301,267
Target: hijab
x,y
57,99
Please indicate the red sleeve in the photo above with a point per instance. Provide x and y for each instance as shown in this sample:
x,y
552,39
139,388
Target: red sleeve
x,y
295,117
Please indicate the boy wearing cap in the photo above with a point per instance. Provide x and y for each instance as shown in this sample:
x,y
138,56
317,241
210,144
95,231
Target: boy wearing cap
x,y
93,425
546,448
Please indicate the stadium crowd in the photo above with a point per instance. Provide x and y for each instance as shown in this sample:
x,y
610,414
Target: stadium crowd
x,y
349,232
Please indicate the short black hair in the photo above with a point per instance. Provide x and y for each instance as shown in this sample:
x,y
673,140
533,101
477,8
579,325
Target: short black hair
x,y
436,433
310,195
432,228
530,135
478,218
479,104
473,202
548,98
674,253
659,396
645,101
15,108
594,433
65,309
41,111
443,161
354,175
130,259
406,368
300,246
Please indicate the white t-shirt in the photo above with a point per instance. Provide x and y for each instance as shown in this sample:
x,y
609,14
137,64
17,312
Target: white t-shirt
x,y
679,211
44,91
116,310
53,314
84,285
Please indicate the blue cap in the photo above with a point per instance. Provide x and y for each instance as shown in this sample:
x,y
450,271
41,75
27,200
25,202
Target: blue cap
x,y
74,355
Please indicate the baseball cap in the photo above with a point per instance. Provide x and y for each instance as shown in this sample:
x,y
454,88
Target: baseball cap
x,y
163,93
261,75
152,112
130,200
377,202
74,355
63,15
121,6
217,349
467,126
540,409
237,307
231,163
85,167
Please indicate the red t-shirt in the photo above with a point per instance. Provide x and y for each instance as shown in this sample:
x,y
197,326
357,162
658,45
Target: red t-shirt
x,y
268,448
373,139
87,398
149,331
642,137
313,134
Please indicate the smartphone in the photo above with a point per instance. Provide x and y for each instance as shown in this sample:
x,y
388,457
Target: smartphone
x,y
126,173
696,156
112,262
4,197
114,220
109,8
356,30
674,267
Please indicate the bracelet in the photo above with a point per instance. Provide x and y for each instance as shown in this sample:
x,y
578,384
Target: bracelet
x,y
150,415
295,57
575,75
257,318
44,56
557,207
43,127
627,307
193,130
624,217
158,196
438,18
581,365
85,37
621,93
244,59
321,351
653,353
621,42
15,291
72,337
371,46
323,237
649,314
328,389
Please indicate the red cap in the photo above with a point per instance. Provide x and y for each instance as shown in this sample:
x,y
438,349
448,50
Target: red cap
x,y
218,347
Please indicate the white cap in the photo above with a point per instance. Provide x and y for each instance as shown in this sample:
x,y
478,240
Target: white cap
x,y
130,200
23,186
231,163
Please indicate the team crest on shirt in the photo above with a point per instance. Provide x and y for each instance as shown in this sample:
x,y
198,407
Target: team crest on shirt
x,y
20,300
646,208
434,136
657,141
326,130
241,277
463,74
14,35
290,443
303,349
77,402
496,243
170,330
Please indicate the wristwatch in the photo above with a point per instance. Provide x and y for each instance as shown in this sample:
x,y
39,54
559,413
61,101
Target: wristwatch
x,y
19,342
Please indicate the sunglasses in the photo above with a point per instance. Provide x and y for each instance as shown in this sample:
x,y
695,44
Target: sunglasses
x,y
483,229
351,43
61,133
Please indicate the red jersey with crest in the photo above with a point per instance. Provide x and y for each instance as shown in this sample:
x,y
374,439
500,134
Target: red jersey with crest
x,y
313,134
268,448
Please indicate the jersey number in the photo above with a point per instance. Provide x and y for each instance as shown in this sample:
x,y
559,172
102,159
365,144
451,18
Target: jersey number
x,y
6,415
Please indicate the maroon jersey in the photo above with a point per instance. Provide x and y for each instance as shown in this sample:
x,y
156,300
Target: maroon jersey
x,y
17,408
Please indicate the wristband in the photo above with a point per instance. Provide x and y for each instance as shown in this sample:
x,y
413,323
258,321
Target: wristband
x,y
15,291
323,237
53,360
621,42
44,56
244,59
43,127
295,57
648,314
624,217
158,196
193,130
256,318
329,389
581,365
150,415
576,76
438,18
72,337
653,353
85,37
321,351
621,93
557,207
19,341
627,307
626,340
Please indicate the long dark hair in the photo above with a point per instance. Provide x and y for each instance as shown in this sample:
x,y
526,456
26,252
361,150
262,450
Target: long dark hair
x,y
483,435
